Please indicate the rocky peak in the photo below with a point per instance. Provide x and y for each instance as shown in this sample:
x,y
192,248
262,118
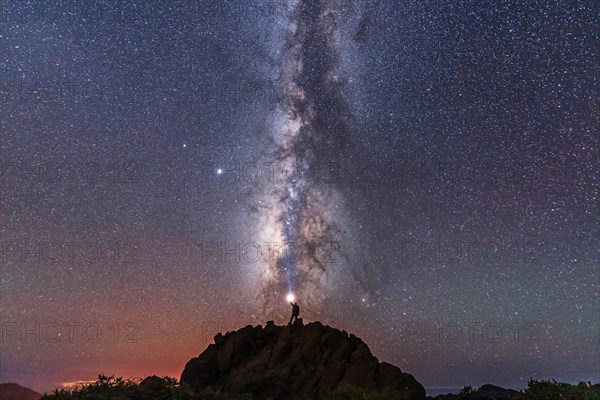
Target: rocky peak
x,y
294,362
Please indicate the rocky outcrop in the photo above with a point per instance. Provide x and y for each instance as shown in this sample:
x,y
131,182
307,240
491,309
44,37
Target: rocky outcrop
x,y
294,362
14,391
493,392
485,392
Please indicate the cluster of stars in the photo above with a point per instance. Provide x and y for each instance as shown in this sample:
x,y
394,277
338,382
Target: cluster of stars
x,y
124,126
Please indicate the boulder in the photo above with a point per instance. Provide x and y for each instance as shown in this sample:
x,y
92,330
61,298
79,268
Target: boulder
x,y
294,362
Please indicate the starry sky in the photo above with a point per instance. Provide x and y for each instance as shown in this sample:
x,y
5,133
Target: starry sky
x,y
423,174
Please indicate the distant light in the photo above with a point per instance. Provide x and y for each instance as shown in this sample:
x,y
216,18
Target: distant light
x,y
219,171
290,297
184,145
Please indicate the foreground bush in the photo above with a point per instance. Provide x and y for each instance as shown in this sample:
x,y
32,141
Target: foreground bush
x,y
552,390
111,388
166,388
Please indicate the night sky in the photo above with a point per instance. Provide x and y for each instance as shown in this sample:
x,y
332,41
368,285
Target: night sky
x,y
423,174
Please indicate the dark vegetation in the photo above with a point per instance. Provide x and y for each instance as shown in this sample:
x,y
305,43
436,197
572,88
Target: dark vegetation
x,y
167,388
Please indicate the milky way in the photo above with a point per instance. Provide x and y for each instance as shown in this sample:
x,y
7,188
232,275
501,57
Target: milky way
x,y
310,134
431,164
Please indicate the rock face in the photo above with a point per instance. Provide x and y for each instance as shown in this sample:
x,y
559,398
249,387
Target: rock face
x,y
485,392
294,362
497,393
14,391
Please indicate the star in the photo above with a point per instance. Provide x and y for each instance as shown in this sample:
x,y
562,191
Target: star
x,y
406,165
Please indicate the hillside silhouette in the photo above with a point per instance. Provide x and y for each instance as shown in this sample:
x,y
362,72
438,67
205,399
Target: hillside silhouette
x,y
295,362
14,391
292,362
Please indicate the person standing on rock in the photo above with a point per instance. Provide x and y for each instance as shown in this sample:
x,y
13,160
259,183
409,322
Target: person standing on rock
x,y
295,312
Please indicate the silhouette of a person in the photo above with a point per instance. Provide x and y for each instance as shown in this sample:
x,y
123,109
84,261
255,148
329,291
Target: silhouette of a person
x,y
295,312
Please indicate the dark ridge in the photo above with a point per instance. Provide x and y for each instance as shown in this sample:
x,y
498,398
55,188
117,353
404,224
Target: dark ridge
x,y
294,362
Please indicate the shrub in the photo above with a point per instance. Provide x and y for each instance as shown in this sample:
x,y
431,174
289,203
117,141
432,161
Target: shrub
x,y
553,390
